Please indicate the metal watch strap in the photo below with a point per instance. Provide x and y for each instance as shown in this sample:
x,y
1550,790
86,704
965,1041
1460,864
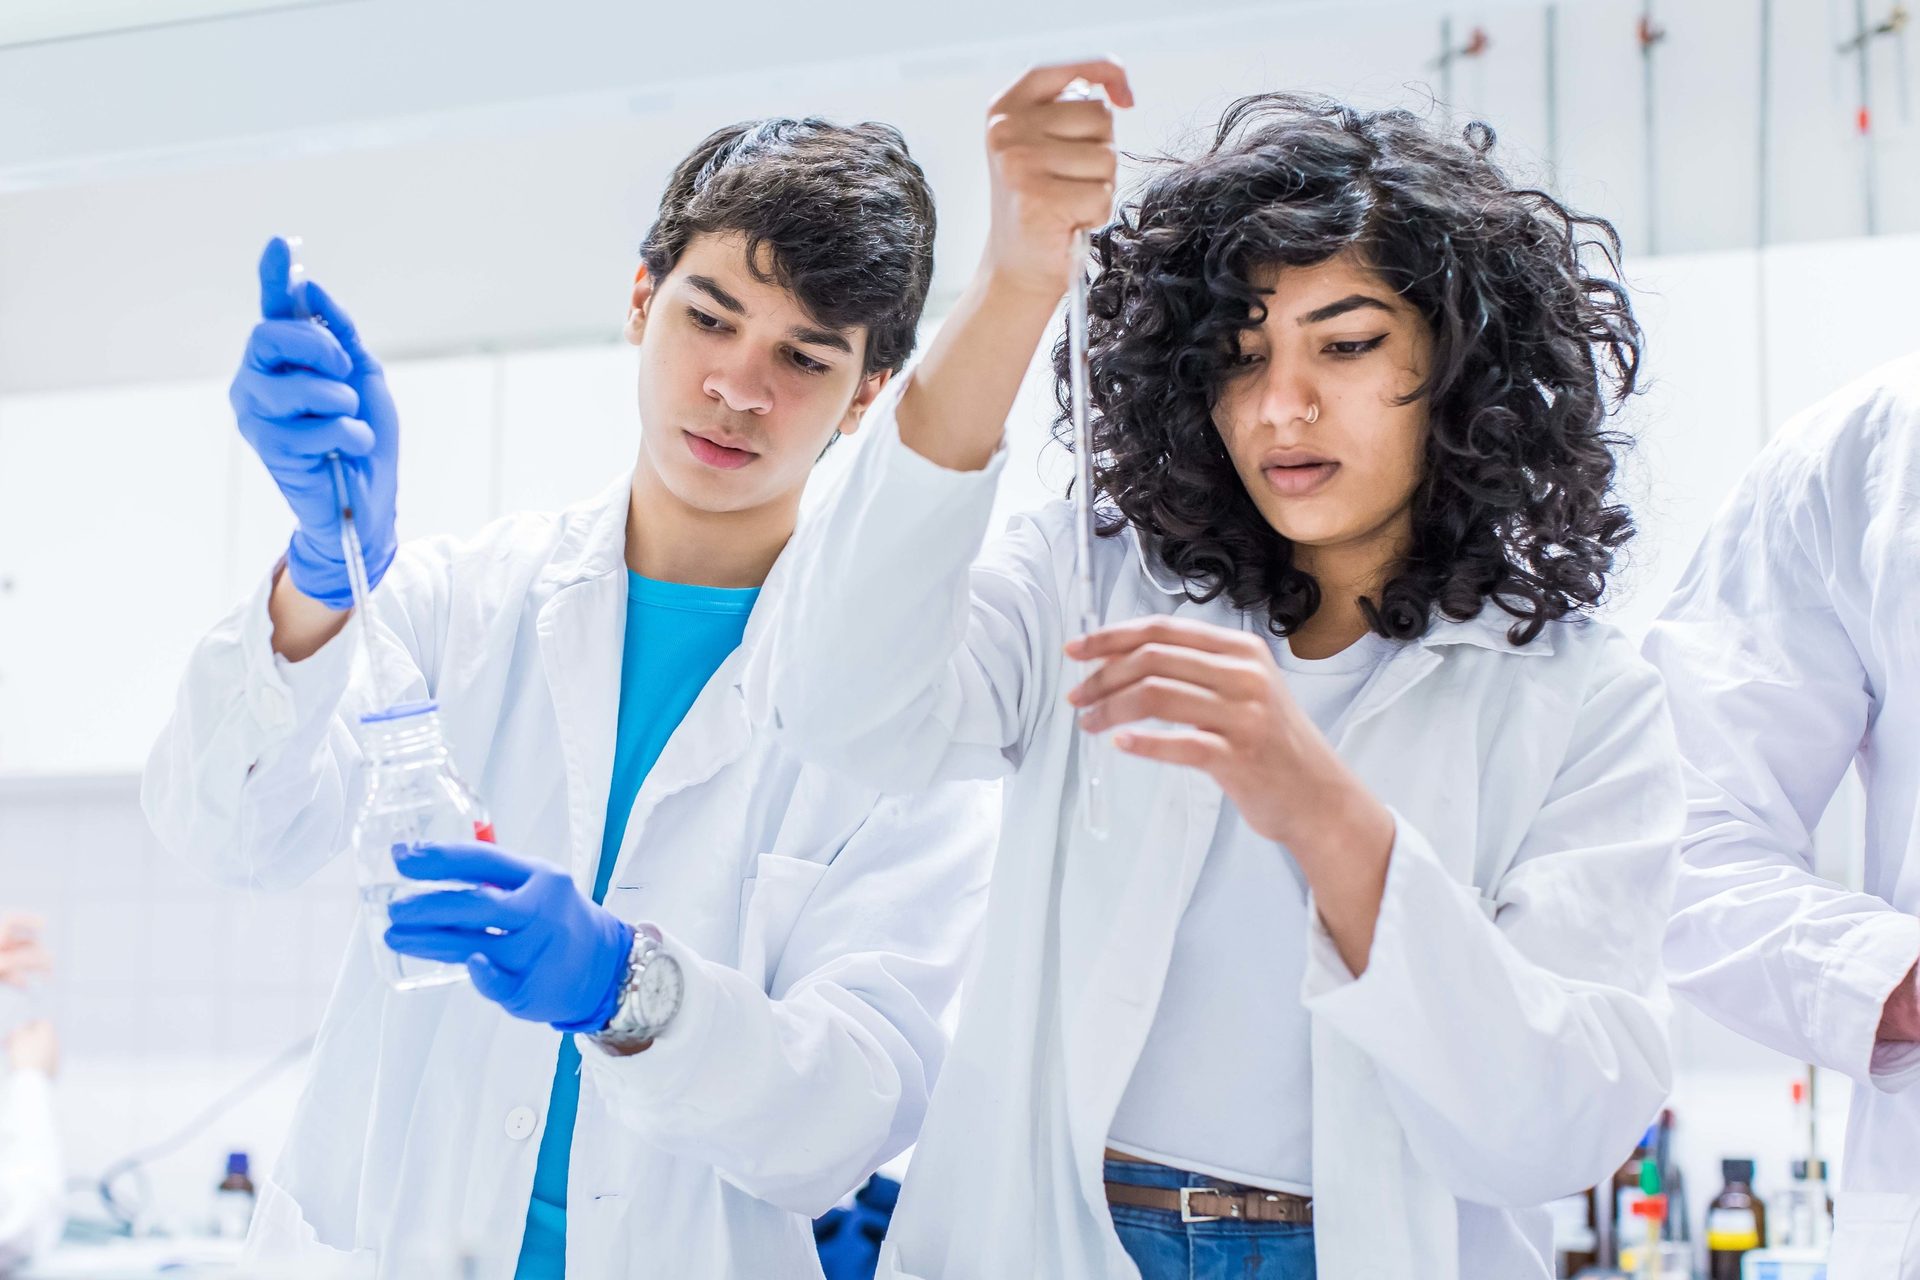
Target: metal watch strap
x,y
623,1030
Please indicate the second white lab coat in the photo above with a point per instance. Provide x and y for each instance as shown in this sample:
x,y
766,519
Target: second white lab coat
x,y
821,929
1792,650
1507,1042
32,1184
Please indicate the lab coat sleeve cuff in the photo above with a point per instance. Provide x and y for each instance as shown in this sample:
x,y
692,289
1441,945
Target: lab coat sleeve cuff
x,y
1858,977
1417,885
906,490
658,1076
281,694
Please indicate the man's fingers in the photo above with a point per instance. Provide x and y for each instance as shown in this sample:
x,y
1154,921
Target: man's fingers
x,y
490,980
476,909
479,863
450,946
297,393
339,323
303,442
277,345
516,951
276,288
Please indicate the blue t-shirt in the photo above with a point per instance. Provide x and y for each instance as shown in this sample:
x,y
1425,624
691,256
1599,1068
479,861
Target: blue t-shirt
x,y
677,637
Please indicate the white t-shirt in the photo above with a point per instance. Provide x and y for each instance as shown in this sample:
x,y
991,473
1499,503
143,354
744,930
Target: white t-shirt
x,y
1225,1083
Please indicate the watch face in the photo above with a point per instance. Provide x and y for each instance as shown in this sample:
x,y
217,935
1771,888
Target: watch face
x,y
658,992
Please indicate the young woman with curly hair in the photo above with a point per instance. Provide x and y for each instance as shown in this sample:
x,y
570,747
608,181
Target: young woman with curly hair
x,y
1366,966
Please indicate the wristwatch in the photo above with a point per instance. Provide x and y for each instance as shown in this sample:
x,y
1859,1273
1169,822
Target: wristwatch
x,y
649,997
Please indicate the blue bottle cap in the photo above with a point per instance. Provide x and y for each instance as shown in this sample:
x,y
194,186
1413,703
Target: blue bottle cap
x,y
400,711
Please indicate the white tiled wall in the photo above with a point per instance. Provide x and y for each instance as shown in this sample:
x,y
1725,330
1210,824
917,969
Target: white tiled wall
x,y
169,990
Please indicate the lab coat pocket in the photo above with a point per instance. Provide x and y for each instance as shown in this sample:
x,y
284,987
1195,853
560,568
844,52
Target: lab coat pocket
x,y
770,906
1874,1236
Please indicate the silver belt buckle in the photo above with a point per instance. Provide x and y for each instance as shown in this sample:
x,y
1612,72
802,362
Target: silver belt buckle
x,y
1186,1206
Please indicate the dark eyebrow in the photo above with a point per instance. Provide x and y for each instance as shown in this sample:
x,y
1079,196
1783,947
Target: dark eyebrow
x,y
799,333
706,285
821,338
1352,302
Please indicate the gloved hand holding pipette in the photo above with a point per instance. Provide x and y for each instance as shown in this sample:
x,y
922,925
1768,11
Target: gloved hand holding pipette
x,y
305,391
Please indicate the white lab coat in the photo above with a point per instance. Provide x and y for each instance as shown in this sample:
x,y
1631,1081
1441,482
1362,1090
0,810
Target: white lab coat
x,y
1507,1042
1792,650
32,1184
820,926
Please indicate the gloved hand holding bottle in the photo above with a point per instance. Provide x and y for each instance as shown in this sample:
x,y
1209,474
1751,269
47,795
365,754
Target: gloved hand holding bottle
x,y
305,390
532,942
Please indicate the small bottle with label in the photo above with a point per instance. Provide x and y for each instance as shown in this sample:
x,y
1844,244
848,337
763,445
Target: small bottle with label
x,y
1736,1221
233,1200
414,795
1624,1191
1809,1207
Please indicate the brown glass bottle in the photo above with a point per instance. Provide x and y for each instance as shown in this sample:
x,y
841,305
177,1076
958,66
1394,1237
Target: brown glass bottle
x,y
1736,1221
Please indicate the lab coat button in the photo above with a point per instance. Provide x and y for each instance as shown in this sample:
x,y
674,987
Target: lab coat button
x,y
520,1123
272,706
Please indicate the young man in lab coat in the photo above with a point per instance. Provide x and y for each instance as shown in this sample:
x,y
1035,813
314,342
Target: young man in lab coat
x,y
1791,650
751,955
1365,967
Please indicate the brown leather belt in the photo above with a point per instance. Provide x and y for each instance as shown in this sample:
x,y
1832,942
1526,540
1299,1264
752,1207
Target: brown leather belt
x,y
1213,1204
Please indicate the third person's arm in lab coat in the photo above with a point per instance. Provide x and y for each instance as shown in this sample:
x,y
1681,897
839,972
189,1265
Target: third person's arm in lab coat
x,y
1772,702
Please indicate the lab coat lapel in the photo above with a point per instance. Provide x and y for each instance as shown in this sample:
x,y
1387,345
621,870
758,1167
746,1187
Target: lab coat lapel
x,y
582,628
716,731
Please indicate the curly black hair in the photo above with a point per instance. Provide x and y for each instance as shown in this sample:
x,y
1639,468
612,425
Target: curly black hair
x,y
1534,346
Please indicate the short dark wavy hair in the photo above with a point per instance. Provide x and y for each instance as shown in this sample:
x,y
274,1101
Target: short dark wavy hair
x,y
1534,346
844,209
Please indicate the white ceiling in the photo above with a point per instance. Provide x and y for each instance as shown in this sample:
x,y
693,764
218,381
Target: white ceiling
x,y
32,21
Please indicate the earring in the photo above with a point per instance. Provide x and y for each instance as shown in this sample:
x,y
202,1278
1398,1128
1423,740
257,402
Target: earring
x,y
1313,413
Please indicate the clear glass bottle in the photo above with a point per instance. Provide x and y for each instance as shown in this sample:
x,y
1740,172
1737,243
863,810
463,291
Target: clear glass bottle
x,y
413,795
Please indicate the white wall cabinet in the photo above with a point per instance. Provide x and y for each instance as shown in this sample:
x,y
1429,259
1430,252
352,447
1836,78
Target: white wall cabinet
x,y
1696,421
112,535
132,518
569,423
449,444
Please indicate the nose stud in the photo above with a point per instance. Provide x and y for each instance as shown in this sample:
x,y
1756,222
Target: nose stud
x,y
1313,413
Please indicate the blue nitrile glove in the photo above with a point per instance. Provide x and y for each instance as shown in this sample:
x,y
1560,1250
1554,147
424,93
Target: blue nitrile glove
x,y
532,942
848,1240
304,390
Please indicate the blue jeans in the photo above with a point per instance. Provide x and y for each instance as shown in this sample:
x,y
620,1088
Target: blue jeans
x,y
1164,1248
